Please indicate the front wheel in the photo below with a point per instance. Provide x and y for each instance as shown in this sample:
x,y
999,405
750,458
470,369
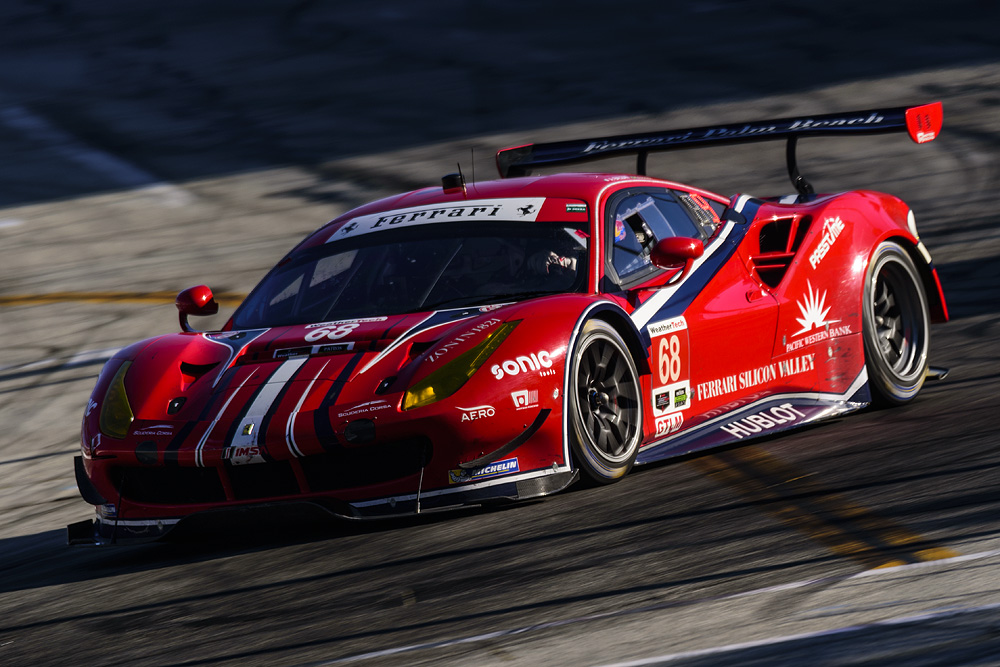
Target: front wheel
x,y
605,404
896,326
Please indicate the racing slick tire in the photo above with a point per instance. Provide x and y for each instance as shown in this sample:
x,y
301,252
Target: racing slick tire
x,y
896,326
605,404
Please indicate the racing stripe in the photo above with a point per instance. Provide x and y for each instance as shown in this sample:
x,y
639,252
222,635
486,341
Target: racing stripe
x,y
256,409
321,416
272,410
293,447
198,454
674,300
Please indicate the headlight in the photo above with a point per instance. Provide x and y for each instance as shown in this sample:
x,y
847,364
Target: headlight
x,y
448,379
116,414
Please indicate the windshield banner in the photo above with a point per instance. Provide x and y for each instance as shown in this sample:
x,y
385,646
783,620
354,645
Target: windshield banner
x,y
519,209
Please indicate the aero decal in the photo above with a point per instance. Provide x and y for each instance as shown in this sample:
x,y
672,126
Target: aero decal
x,y
290,426
244,446
525,208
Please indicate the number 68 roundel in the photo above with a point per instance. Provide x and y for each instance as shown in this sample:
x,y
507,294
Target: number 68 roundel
x,y
671,381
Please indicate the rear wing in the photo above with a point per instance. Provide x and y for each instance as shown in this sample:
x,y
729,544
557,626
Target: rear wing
x,y
923,123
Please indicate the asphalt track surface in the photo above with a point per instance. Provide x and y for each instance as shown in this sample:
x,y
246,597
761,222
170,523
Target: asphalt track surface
x,y
151,146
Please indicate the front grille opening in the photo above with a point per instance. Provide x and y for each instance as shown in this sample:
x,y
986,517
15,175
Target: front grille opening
x,y
263,480
168,485
373,464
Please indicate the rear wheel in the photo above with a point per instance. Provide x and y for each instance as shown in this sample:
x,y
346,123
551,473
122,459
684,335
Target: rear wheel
x,y
605,404
896,326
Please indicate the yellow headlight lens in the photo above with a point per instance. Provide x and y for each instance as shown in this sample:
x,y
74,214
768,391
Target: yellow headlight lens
x,y
116,413
448,379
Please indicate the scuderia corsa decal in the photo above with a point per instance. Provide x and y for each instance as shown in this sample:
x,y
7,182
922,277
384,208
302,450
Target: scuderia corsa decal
x,y
671,381
517,209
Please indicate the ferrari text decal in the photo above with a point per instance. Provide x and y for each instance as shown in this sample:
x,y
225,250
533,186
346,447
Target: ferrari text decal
x,y
671,382
461,475
523,208
524,364
457,340
832,227
756,376
764,420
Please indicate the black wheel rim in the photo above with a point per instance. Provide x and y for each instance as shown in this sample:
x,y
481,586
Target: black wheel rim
x,y
607,398
898,317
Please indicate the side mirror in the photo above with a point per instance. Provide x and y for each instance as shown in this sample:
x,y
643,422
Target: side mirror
x,y
676,252
197,301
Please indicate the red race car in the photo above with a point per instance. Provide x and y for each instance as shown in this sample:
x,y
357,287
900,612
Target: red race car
x,y
494,341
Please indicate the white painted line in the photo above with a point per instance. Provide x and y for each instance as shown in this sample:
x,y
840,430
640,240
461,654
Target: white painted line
x,y
7,223
825,581
903,620
90,356
65,145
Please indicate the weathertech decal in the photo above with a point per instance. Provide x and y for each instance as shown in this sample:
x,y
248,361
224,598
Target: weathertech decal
x,y
525,208
671,381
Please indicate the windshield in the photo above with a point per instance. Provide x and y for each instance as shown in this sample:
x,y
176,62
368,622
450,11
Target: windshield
x,y
422,268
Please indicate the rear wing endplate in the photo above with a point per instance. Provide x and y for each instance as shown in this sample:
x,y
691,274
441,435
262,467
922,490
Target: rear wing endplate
x,y
923,123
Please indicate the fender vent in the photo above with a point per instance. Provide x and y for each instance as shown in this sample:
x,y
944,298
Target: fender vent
x,y
778,242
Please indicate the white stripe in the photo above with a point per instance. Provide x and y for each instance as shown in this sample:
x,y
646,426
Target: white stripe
x,y
290,427
741,202
644,313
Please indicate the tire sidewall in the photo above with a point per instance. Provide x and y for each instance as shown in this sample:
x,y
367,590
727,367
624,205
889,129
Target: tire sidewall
x,y
596,465
888,386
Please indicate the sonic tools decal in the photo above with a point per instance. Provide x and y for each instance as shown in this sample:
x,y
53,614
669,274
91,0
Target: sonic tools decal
x,y
504,467
762,421
671,381
832,227
540,361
